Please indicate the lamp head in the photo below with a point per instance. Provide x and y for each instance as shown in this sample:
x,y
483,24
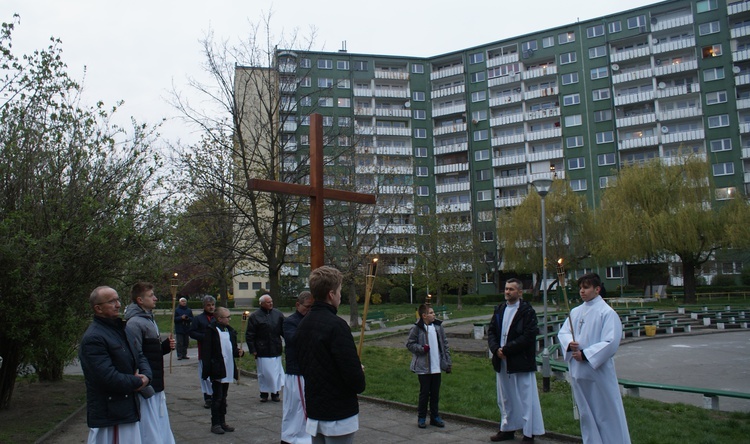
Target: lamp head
x,y
542,186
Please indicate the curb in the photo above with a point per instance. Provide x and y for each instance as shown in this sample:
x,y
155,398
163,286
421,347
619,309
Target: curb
x,y
60,425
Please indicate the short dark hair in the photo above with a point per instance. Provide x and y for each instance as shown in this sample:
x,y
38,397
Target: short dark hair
x,y
590,280
140,289
324,280
515,281
423,309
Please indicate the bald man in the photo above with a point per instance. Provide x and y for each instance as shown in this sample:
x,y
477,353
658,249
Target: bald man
x,y
263,337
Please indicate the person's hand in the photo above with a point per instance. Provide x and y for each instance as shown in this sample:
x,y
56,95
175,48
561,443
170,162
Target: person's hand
x,y
449,369
500,353
426,348
242,353
172,343
144,381
573,346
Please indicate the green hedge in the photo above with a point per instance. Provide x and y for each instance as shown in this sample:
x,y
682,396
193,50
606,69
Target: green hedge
x,y
472,299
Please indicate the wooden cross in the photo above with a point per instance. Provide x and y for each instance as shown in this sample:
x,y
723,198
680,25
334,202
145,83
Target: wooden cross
x,y
315,190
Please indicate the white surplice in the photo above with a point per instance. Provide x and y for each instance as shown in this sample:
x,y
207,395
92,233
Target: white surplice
x,y
293,418
270,374
598,330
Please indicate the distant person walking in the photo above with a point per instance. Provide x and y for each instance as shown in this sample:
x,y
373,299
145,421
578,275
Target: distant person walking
x,y
512,342
183,318
590,346
293,420
198,332
430,357
263,337
115,371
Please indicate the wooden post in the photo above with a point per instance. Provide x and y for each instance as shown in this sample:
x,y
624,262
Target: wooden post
x,y
173,290
372,270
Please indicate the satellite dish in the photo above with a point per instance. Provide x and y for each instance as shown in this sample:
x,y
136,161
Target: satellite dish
x,y
407,104
615,67
654,41
665,129
736,69
662,85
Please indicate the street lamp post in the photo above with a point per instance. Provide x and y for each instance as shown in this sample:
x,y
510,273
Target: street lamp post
x,y
542,187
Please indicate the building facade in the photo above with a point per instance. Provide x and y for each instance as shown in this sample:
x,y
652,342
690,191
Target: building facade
x,y
468,131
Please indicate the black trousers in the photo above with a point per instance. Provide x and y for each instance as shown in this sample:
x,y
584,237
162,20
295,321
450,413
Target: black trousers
x,y
219,402
183,339
429,390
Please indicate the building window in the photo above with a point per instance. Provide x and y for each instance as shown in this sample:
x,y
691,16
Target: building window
x,y
715,97
726,193
607,181
615,26
566,37
614,272
325,64
598,51
423,190
605,137
479,115
576,163
721,145
344,140
531,45
606,159
637,22
343,84
476,58
422,171
305,101
723,169
478,96
718,121
325,102
594,31
361,65
603,115
327,121
417,68
420,133
484,216
487,278
304,120
713,74
574,141
483,195
345,122
420,114
568,57
480,135
599,73
305,82
344,102
571,99
257,285
478,77
482,155
243,285
305,63
420,152
709,28
325,83
487,236
578,184
712,51
601,94
484,175
418,96
342,65
570,78
548,42
705,6
574,120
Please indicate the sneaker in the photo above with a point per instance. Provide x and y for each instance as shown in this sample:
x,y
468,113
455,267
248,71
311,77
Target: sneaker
x,y
502,436
437,422
421,423
217,429
227,428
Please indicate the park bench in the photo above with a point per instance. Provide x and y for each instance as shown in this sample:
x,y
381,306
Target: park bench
x,y
375,317
673,323
710,396
441,311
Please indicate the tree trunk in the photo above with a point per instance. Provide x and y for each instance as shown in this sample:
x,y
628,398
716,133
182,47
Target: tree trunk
x,y
11,358
459,305
688,279
273,280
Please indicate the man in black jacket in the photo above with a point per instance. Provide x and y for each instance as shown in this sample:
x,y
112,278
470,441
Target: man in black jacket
x,y
198,332
263,337
293,413
329,362
115,371
512,341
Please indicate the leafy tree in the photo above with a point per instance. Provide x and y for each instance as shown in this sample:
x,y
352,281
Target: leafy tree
x,y
658,210
78,209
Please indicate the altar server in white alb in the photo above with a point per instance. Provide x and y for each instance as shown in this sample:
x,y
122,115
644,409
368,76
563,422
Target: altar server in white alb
x,y
590,345
263,337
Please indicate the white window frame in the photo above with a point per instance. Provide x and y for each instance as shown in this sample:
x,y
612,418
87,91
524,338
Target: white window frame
x,y
568,57
571,99
605,137
480,135
325,64
614,27
712,74
548,42
420,133
423,190
478,96
342,65
594,31
420,114
719,121
566,37
570,78
719,145
599,73
577,142
576,163
578,184
723,169
606,159
420,152
597,51
418,96
709,28
712,98
484,195
573,120
640,22
601,94
422,171
417,68
477,57
481,155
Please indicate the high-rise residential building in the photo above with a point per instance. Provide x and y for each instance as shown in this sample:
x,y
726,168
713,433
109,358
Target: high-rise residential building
x,y
467,131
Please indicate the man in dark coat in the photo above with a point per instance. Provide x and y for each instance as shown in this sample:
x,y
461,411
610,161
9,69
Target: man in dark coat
x,y
198,332
329,362
183,317
115,371
265,328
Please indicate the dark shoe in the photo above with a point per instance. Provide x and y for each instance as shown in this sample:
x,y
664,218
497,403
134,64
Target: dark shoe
x,y
217,429
502,436
437,422
227,428
207,404
421,423
186,357
275,397
263,399
527,439
179,358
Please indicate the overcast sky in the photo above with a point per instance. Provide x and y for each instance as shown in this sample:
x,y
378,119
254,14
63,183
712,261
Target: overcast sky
x,y
135,50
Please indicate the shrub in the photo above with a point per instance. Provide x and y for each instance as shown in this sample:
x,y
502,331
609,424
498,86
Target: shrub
x,y
723,280
745,276
376,299
399,295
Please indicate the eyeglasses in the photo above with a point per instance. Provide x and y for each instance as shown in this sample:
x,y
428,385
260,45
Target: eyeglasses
x,y
114,301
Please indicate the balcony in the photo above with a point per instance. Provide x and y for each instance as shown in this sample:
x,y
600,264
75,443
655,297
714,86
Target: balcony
x,y
290,147
507,140
290,126
287,67
362,111
288,87
550,70
452,188
742,79
545,155
391,131
675,67
675,22
638,142
394,249
632,75
547,175
508,160
506,119
446,110
395,189
542,92
544,134
680,114
736,8
682,136
680,160
452,148
739,31
738,56
744,128
542,113
746,153
674,45
396,169
504,80
364,130
506,99
391,112
451,168
449,129
509,202
501,182
502,60
366,169
743,103
391,75
392,93
747,177
453,208
362,92
288,107
393,151
394,229
450,91
678,90
447,72
636,120
645,96
629,54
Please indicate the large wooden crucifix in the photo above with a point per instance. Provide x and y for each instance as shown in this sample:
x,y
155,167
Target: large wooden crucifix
x,y
315,190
